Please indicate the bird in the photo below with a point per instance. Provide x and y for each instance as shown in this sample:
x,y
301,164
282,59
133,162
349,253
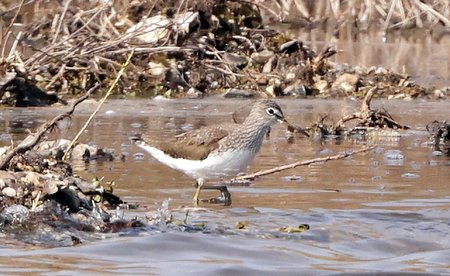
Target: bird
x,y
217,151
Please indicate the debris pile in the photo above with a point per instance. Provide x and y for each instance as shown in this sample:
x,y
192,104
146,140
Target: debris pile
x,y
193,50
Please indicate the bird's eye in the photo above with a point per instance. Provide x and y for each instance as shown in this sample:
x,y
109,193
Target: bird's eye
x,y
270,111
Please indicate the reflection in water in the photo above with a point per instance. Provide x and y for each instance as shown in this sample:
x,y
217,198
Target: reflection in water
x,y
424,57
386,210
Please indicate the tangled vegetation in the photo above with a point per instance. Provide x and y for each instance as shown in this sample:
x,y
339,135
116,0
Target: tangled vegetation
x,y
182,49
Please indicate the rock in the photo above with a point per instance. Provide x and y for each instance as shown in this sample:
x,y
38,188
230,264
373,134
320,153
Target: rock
x,y
238,93
321,85
6,179
346,82
3,150
235,60
262,57
50,187
157,70
214,85
15,213
9,192
55,147
33,178
153,29
295,90
6,78
193,93
269,65
83,151
438,94
399,96
174,77
379,70
274,90
290,46
290,77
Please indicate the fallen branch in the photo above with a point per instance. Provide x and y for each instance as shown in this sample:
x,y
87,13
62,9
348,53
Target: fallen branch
x,y
34,139
302,163
368,117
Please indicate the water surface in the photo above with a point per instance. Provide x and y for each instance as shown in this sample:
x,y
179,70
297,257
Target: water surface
x,y
386,210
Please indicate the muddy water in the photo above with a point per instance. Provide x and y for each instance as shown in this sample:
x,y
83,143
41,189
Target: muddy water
x,y
386,210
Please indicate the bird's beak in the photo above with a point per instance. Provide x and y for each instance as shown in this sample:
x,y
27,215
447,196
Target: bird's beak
x,y
293,128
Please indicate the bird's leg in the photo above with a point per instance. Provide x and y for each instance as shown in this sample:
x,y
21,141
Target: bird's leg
x,y
197,192
225,196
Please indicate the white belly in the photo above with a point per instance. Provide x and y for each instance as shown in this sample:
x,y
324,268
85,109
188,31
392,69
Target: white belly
x,y
227,164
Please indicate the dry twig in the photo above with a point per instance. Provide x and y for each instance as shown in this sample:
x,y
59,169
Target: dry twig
x,y
302,163
29,144
69,148
369,117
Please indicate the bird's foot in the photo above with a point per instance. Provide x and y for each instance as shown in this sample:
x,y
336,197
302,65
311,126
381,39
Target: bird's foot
x,y
224,198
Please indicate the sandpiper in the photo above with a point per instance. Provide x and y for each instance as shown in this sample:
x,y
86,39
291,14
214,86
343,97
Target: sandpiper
x,y
217,151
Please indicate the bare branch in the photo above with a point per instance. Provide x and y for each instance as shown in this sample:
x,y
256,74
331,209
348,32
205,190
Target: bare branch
x,y
23,147
302,163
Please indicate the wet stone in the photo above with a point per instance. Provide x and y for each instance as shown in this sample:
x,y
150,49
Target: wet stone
x,y
274,89
415,165
238,93
296,178
295,90
326,152
376,178
83,151
394,155
110,112
187,127
410,175
138,156
136,125
394,158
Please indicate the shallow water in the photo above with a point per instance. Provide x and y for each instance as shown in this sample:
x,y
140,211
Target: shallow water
x,y
386,210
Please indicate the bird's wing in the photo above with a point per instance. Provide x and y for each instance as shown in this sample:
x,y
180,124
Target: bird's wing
x,y
193,145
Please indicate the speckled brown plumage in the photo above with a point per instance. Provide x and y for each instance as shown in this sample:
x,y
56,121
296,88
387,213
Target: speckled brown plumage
x,y
199,144
194,145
